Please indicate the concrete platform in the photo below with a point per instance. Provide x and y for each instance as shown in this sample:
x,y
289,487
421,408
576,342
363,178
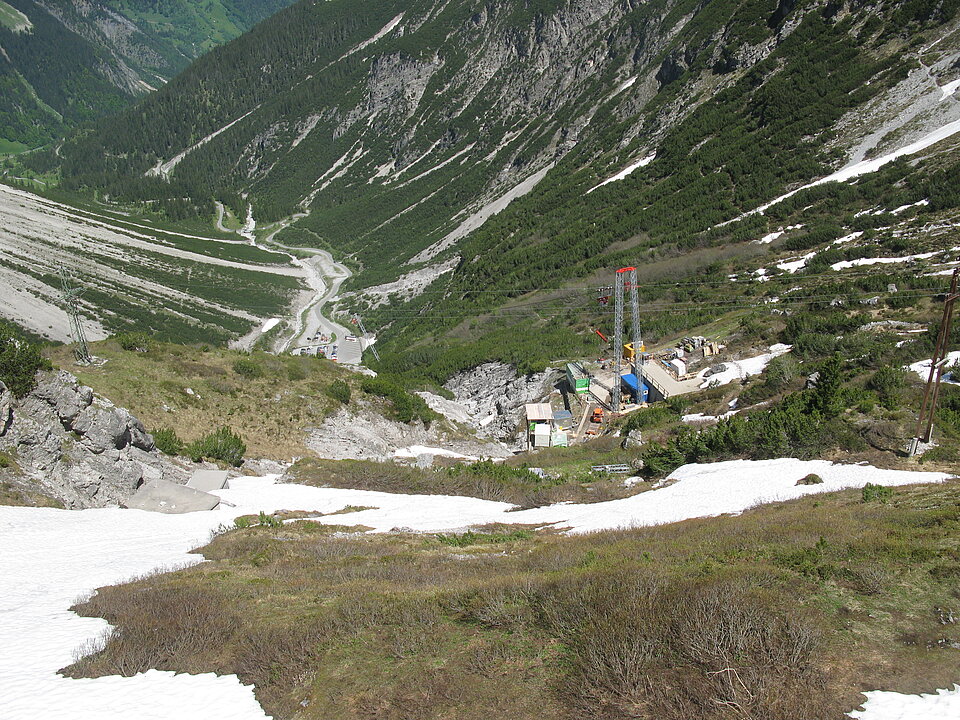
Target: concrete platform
x,y
207,480
166,497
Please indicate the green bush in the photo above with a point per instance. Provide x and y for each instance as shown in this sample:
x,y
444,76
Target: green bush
x,y
221,444
879,493
406,406
134,341
247,368
654,416
19,361
889,383
167,441
339,390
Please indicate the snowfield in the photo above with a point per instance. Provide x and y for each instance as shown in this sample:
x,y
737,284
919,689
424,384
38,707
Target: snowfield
x,y
53,557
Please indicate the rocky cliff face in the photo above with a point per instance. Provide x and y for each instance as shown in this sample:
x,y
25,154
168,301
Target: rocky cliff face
x,y
495,395
76,447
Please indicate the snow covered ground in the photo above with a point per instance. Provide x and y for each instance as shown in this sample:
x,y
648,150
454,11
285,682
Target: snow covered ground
x,y
922,367
642,162
881,705
740,369
52,557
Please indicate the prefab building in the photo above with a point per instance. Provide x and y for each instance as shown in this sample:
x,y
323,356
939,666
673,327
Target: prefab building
x,y
577,379
541,435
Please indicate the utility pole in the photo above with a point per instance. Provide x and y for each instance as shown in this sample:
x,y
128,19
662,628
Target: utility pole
x,y
928,409
627,275
71,297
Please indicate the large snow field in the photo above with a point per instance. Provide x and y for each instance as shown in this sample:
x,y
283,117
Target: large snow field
x,y
52,557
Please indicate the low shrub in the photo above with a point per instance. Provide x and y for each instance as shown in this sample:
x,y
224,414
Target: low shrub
x,y
406,406
167,441
133,341
221,444
339,390
879,493
889,383
247,368
19,361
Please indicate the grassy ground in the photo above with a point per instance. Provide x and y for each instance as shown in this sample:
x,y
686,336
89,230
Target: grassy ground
x,y
511,482
787,611
270,410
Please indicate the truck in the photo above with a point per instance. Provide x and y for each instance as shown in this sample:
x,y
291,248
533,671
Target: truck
x,y
597,416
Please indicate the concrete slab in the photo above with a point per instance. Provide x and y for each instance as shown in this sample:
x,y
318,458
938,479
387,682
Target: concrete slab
x,y
166,497
207,480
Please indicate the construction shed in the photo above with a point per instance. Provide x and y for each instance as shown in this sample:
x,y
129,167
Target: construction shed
x,y
208,480
577,379
563,420
541,435
538,412
638,391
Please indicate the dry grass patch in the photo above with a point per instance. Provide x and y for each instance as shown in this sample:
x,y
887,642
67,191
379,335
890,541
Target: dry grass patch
x,y
192,388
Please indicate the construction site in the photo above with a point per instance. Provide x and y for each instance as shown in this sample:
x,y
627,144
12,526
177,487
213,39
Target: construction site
x,y
628,378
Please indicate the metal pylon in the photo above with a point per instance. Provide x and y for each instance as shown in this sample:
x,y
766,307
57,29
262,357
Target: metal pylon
x,y
363,332
71,297
931,393
635,331
624,276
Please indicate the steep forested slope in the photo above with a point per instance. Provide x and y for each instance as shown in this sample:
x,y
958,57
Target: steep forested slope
x,y
393,123
64,62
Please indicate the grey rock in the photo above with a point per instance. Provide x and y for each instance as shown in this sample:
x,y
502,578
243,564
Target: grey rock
x,y
72,449
495,395
6,408
632,439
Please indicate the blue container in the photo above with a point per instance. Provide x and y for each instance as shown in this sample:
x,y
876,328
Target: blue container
x,y
637,390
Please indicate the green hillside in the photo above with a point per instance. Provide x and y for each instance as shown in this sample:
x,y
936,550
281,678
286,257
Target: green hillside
x,y
63,65
384,126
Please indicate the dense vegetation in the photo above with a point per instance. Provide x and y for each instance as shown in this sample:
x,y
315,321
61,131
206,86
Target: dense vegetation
x,y
74,65
20,359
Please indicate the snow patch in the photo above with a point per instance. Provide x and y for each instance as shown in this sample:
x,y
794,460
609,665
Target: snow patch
x,y
863,167
793,266
642,162
780,232
740,369
269,325
414,451
886,705
949,89
844,264
922,368
848,238
53,556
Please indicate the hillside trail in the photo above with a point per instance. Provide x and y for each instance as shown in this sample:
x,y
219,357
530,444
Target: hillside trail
x,y
323,275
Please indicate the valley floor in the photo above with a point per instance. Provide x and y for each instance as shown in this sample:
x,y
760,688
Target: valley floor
x,y
54,557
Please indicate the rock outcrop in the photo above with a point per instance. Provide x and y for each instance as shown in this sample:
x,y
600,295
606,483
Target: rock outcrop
x,y
78,448
495,395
